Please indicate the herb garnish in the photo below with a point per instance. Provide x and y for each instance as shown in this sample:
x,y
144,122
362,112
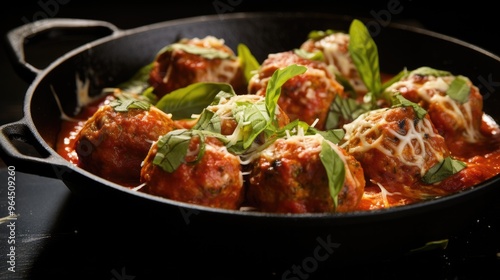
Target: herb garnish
x,y
364,53
443,169
316,56
335,169
182,103
208,53
248,61
459,90
400,101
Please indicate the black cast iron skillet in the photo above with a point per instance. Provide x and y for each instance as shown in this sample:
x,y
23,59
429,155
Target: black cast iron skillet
x,y
29,143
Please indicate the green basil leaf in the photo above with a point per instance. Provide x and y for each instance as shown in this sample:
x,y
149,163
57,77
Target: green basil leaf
x,y
253,119
208,121
335,169
317,56
277,80
344,108
364,53
333,135
459,89
400,101
428,71
208,53
172,149
124,105
248,61
184,102
319,34
348,88
443,170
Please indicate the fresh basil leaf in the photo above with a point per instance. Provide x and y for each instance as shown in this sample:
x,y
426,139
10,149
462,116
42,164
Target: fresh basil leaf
x,y
273,89
316,56
459,89
149,95
253,119
333,135
428,71
348,88
364,53
347,109
184,102
335,169
208,121
443,170
319,34
400,101
248,61
208,53
124,105
172,149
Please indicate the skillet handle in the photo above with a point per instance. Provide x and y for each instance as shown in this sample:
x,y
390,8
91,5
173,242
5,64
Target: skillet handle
x,y
19,148
16,39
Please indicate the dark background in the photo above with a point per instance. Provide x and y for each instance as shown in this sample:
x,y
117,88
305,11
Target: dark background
x,y
62,238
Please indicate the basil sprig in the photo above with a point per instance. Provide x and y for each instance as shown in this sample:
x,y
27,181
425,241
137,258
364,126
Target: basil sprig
x,y
364,53
443,170
335,169
248,61
273,89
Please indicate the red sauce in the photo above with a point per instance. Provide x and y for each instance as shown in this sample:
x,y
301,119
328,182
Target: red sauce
x,y
482,158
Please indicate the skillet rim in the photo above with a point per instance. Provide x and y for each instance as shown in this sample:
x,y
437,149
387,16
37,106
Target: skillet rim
x,y
350,217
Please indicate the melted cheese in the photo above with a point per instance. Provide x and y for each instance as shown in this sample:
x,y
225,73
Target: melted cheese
x,y
369,124
433,91
336,54
224,72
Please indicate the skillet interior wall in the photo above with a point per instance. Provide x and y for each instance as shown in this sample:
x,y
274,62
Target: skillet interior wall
x,y
471,23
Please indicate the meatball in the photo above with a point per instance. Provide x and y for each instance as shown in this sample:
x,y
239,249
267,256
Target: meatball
x,y
215,180
458,121
196,60
113,144
307,96
335,49
394,146
289,177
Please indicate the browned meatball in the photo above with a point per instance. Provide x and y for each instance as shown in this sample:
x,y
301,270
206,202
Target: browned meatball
x,y
215,180
289,177
196,60
113,144
394,146
307,96
335,49
457,121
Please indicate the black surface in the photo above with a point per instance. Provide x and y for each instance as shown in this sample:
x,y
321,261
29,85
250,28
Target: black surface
x,y
59,236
